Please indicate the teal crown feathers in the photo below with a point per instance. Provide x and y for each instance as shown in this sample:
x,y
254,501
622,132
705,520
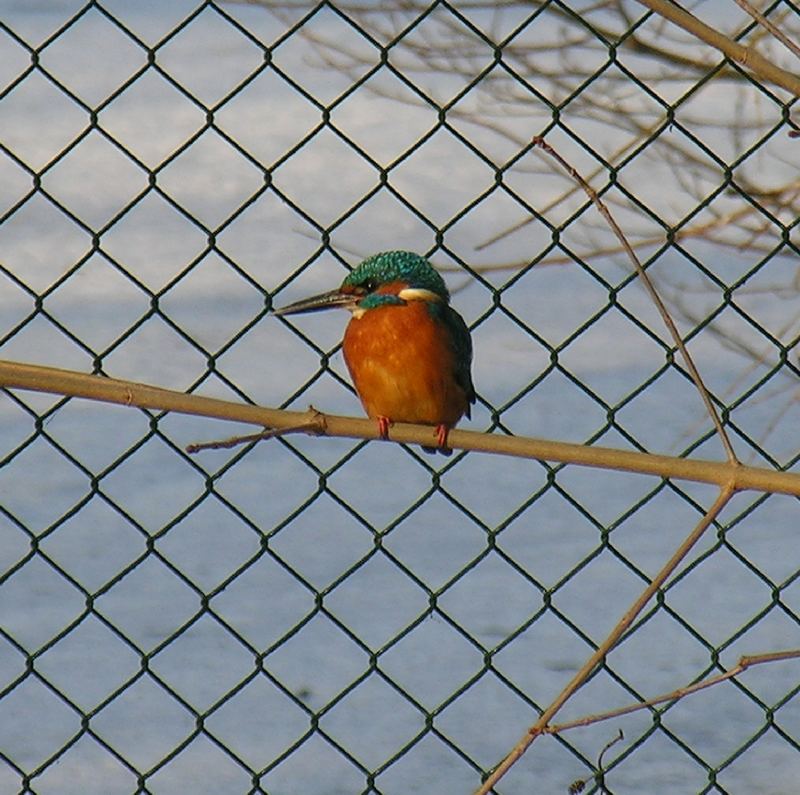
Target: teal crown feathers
x,y
398,266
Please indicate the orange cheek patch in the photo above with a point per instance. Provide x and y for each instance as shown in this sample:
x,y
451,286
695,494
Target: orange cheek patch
x,y
391,288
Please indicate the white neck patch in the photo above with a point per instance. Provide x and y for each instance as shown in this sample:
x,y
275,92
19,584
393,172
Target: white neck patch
x,y
418,294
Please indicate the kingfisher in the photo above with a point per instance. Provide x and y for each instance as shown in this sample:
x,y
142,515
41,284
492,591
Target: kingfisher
x,y
408,351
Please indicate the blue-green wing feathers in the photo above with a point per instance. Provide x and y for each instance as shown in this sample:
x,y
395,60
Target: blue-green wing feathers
x,y
461,340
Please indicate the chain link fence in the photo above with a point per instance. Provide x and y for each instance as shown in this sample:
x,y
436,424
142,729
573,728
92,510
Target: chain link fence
x,y
328,616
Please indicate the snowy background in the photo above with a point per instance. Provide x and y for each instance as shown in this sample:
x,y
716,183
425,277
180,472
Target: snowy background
x,y
198,621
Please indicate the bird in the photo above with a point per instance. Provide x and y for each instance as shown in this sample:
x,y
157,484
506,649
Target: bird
x,y
409,353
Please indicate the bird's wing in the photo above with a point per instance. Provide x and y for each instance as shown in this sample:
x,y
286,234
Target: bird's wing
x,y
461,341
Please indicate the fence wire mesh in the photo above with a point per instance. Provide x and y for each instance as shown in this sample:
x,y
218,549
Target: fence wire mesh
x,y
322,616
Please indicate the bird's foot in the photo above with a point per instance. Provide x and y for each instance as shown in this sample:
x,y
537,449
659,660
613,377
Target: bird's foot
x,y
441,438
383,427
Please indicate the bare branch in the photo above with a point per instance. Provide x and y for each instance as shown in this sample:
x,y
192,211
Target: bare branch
x,y
662,309
540,727
746,56
16,375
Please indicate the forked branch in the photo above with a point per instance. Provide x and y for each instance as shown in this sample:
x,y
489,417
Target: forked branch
x,y
541,726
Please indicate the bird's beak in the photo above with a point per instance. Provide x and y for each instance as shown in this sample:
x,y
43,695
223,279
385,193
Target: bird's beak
x,y
316,303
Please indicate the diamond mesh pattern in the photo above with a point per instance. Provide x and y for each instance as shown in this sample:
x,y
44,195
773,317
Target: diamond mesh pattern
x,y
328,616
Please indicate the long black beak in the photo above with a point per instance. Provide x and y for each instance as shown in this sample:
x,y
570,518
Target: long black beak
x,y
328,300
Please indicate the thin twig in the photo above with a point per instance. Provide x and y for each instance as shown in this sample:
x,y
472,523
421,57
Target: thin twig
x,y
744,663
767,25
662,309
235,441
681,692
578,786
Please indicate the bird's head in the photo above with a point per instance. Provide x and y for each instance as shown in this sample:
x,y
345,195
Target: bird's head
x,y
389,278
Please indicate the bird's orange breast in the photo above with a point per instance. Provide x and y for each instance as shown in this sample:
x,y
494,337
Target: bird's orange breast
x,y
402,365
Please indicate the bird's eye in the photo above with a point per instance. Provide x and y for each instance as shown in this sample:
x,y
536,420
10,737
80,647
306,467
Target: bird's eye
x,y
370,285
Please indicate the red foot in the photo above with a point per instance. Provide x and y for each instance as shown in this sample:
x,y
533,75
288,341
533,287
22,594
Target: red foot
x,y
441,436
383,427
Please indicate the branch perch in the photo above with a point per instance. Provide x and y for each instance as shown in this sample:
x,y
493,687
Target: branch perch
x,y
70,383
